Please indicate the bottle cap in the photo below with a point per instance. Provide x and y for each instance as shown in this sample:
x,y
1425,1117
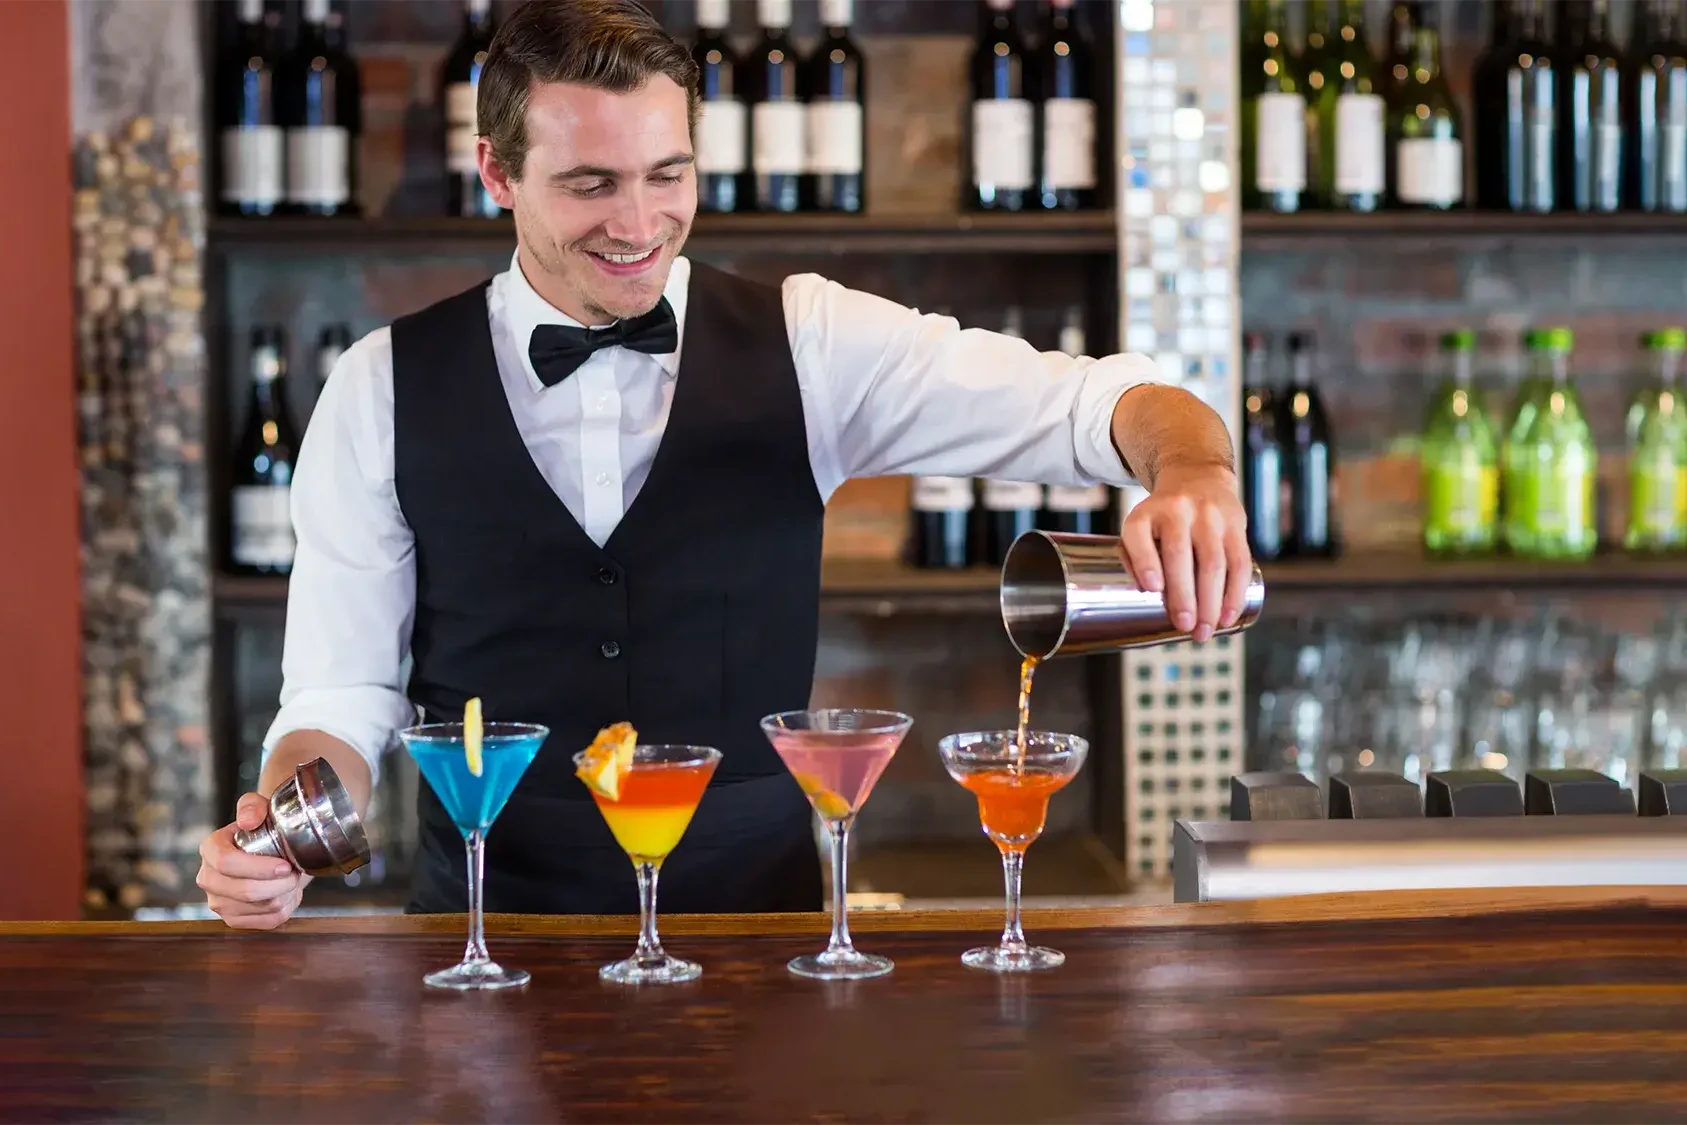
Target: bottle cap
x,y
1666,340
1558,339
1458,340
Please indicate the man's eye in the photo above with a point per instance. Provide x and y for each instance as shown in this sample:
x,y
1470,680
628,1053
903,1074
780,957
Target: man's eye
x,y
669,178
589,190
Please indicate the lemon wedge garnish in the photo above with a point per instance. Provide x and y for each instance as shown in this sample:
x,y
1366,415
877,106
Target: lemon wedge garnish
x,y
607,760
827,803
473,728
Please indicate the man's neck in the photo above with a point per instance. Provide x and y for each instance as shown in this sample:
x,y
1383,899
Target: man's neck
x,y
553,293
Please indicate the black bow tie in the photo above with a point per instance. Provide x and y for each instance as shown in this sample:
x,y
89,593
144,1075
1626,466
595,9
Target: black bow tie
x,y
557,350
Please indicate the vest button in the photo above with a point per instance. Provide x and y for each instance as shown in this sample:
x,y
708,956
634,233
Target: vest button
x,y
606,576
610,650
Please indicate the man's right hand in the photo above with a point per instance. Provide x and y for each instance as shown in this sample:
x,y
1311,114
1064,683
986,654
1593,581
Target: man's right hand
x,y
249,892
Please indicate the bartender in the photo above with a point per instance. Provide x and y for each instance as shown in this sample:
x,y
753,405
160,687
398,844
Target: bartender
x,y
592,489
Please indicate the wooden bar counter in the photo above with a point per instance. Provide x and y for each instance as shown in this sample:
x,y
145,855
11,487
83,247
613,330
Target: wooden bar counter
x,y
1561,1005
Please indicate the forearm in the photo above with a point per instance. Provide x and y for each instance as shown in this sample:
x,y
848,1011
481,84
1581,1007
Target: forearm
x,y
300,746
1156,427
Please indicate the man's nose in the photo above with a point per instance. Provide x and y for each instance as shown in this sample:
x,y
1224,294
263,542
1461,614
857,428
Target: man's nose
x,y
636,220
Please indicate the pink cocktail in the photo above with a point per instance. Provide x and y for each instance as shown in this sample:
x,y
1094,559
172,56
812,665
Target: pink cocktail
x,y
837,755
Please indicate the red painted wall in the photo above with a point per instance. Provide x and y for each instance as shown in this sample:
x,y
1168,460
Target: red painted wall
x,y
41,837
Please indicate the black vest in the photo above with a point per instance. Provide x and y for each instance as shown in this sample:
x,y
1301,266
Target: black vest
x,y
698,616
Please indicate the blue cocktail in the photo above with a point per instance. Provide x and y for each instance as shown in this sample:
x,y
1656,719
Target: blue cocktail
x,y
473,801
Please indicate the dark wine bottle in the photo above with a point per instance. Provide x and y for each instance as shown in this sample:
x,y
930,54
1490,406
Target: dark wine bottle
x,y
322,108
465,195
723,126
1275,122
1490,117
1067,138
253,172
836,89
1265,482
1532,143
1003,119
1403,19
1311,461
1428,135
1659,84
1353,118
261,528
1079,509
942,513
778,120
1592,116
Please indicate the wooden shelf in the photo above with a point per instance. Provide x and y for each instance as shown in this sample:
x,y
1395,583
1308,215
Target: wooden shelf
x,y
1270,231
1085,232
1406,570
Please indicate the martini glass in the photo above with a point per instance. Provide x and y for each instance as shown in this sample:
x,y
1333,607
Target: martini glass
x,y
1013,790
836,755
657,799
474,802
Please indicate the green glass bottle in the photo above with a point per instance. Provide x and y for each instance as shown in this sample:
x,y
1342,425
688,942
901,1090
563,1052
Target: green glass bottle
x,y
1428,133
1657,450
1460,460
1515,478
1273,113
1559,464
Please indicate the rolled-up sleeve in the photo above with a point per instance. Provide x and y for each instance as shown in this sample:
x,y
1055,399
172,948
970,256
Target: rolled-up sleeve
x,y
889,390
351,600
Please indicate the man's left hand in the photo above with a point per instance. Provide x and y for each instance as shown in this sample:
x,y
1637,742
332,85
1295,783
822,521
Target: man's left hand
x,y
1189,539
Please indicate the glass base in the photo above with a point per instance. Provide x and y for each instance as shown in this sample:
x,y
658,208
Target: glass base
x,y
1001,959
650,970
476,975
847,964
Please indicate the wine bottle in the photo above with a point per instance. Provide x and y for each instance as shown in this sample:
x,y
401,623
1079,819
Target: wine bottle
x,y
248,125
1079,509
1318,70
465,195
1311,461
1515,100
723,126
1403,19
260,524
836,89
322,107
1264,476
1427,132
1353,118
1590,105
1274,101
1010,508
778,120
1003,117
1659,86
942,509
1067,164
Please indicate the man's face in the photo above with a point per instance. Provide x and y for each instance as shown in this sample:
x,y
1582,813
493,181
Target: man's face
x,y
607,195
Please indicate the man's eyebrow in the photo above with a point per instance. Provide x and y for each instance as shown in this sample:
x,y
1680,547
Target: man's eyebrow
x,y
593,171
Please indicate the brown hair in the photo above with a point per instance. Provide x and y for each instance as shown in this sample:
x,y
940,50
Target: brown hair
x,y
613,45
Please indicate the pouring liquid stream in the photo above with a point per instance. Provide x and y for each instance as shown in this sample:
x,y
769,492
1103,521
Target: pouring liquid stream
x,y
1027,669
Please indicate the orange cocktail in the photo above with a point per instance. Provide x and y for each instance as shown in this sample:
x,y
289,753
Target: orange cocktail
x,y
655,807
1013,804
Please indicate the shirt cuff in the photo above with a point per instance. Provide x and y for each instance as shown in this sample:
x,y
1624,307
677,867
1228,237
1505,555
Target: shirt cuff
x,y
365,718
1105,383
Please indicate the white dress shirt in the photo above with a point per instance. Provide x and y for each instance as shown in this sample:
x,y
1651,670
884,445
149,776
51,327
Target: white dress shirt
x,y
885,390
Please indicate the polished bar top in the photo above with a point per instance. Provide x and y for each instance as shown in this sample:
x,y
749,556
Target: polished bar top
x,y
1527,1005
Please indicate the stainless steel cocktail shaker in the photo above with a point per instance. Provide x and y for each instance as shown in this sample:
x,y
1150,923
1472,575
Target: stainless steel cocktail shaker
x,y
1066,595
311,824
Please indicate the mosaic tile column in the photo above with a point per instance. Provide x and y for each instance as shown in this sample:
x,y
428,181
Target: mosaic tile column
x,y
1178,230
139,230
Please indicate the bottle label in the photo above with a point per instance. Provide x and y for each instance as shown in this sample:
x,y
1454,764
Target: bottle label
x,y
1076,498
1012,495
1069,143
1431,170
1463,497
462,127
778,132
714,14
1280,143
942,494
837,13
1563,500
722,137
252,165
774,13
1002,149
1654,498
1543,132
1672,172
1360,154
316,11
319,165
262,527
834,137
1607,164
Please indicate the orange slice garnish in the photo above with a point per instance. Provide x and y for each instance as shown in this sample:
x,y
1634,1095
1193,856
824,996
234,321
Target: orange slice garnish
x,y
608,759
827,803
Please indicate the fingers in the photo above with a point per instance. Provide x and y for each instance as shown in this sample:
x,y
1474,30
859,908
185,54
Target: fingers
x,y
214,882
1239,573
1177,556
1211,565
219,852
250,811
246,916
1141,555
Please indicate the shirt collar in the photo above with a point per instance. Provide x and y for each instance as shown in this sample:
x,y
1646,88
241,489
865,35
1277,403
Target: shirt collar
x,y
526,310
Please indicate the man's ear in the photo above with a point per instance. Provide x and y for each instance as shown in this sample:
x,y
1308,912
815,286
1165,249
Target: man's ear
x,y
498,183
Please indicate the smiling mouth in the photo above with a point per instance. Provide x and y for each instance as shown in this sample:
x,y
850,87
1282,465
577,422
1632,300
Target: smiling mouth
x,y
625,259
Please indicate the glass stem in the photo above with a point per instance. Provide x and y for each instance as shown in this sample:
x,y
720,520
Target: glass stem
x,y
649,945
840,942
1013,866
476,949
